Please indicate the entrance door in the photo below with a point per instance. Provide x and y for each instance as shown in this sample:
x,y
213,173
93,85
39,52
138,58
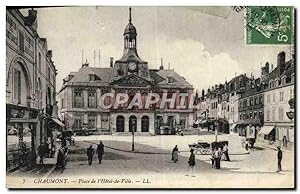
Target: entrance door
x,y
132,123
171,121
145,124
120,124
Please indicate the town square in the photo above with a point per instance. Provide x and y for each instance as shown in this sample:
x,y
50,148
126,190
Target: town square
x,y
111,97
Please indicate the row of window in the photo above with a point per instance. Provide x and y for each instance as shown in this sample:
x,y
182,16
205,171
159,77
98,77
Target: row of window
x,y
214,105
22,49
280,81
251,115
251,101
271,114
48,70
281,96
79,100
92,120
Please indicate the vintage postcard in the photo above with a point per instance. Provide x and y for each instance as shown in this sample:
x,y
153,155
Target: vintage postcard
x,y
150,97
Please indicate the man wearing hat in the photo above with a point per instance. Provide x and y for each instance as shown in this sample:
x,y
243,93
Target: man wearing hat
x,y
100,151
279,158
90,153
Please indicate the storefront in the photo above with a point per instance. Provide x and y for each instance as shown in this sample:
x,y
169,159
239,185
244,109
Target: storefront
x,y
21,124
267,134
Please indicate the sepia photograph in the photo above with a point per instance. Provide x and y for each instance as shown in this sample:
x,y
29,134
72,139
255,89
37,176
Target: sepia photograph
x,y
150,97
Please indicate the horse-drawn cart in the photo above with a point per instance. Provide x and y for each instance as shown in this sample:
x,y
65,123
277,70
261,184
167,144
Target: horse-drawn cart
x,y
205,148
201,148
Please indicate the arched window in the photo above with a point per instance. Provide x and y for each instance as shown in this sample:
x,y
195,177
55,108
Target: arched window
x,y
145,124
20,84
120,124
132,123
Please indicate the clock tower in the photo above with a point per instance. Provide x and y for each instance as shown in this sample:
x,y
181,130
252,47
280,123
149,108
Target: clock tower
x,y
130,62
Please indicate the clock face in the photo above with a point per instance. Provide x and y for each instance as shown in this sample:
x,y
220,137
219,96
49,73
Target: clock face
x,y
132,66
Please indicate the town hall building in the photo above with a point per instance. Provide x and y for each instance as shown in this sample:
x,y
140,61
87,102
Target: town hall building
x,y
80,98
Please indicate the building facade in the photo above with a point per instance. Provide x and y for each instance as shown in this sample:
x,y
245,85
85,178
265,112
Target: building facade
x,y
221,103
83,103
26,86
251,108
277,99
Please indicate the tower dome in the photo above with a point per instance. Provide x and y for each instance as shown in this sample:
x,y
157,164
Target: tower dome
x,y
130,29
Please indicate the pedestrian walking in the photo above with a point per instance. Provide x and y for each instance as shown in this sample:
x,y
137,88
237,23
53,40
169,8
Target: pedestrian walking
x,y
100,151
49,147
90,153
279,158
60,158
246,145
225,152
284,141
192,163
175,154
218,156
213,158
41,152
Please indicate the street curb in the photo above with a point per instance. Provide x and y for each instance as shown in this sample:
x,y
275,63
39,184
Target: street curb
x,y
138,152
273,148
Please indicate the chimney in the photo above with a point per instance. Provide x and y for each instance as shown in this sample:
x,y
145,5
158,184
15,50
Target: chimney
x,y
161,67
31,18
281,62
203,93
265,72
111,62
267,68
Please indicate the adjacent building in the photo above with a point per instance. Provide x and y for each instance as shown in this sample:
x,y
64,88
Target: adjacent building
x,y
221,104
251,108
278,102
30,87
261,108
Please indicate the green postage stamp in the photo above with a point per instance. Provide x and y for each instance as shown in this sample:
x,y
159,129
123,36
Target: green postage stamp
x,y
268,25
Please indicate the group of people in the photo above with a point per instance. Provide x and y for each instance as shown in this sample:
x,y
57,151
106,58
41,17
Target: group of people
x,y
217,154
91,151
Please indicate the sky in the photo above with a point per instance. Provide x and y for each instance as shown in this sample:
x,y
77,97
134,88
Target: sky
x,y
204,48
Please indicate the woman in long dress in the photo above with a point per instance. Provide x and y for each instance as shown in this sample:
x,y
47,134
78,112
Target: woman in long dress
x,y
175,154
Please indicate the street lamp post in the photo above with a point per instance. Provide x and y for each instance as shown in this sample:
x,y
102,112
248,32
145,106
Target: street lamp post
x,y
132,131
216,130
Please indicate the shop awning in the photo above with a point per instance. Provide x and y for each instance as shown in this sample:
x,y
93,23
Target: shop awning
x,y
203,121
266,130
233,125
58,122
197,122
17,120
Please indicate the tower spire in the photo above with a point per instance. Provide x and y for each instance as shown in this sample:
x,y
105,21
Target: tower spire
x,y
129,14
